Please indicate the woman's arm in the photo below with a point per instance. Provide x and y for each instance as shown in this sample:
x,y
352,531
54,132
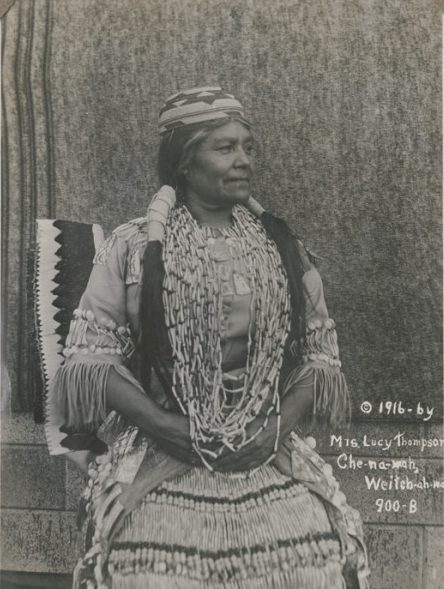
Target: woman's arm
x,y
95,379
170,430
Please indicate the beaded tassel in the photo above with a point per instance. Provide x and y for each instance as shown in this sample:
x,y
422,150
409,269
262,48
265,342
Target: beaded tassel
x,y
194,330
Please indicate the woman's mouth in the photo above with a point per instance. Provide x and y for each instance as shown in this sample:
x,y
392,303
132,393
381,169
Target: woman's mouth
x,y
239,180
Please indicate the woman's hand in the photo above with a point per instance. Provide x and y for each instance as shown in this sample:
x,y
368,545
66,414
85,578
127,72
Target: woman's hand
x,y
174,438
255,452
294,407
170,430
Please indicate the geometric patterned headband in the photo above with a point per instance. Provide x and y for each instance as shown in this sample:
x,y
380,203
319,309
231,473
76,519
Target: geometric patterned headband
x,y
198,105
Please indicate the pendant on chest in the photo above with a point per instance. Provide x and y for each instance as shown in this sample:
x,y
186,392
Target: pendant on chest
x,y
241,285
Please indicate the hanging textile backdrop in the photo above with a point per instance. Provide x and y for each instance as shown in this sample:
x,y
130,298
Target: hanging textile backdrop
x,y
345,100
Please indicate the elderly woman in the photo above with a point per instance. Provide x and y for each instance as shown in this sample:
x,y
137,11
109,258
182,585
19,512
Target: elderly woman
x,y
196,476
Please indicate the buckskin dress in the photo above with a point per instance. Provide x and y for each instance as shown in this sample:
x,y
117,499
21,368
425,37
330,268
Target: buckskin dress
x,y
153,522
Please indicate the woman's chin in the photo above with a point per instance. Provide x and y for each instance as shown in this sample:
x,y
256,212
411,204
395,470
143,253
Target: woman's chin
x,y
240,196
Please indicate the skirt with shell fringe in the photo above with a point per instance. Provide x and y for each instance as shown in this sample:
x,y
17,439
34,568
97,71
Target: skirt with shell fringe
x,y
227,531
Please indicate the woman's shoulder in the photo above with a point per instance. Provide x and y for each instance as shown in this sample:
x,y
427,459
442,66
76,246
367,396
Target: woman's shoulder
x,y
136,229
125,246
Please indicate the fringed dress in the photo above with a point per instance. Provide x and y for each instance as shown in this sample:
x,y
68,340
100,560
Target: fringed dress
x,y
154,523
214,530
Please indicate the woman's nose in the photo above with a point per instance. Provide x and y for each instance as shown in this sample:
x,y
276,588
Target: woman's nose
x,y
242,157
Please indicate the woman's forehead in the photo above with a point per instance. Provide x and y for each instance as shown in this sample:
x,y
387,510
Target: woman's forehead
x,y
233,131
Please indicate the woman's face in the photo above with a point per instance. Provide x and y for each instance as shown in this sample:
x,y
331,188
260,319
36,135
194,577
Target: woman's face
x,y
221,169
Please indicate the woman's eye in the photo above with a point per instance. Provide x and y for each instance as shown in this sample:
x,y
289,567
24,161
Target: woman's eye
x,y
225,148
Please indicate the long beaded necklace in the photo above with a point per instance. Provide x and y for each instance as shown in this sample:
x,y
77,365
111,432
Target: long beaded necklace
x,y
192,297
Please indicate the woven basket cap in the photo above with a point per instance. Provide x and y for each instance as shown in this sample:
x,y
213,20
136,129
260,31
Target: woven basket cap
x,y
197,105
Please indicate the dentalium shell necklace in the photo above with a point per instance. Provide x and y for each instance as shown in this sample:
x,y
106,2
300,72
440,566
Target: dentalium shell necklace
x,y
193,298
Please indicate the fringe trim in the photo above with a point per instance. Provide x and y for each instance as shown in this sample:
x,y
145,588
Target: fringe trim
x,y
321,337
80,392
328,577
331,397
317,550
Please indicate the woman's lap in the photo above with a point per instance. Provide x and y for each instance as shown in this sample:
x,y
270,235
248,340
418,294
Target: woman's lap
x,y
223,531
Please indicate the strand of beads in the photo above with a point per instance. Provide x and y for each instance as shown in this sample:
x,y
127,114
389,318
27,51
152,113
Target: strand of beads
x,y
193,300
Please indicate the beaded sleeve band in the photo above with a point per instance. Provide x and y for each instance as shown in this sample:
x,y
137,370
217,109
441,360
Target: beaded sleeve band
x,y
194,330
104,337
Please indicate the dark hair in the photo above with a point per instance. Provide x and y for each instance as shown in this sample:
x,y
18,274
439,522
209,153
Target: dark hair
x,y
176,150
289,249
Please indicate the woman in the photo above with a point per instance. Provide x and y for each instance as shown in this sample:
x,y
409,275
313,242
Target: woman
x,y
199,479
